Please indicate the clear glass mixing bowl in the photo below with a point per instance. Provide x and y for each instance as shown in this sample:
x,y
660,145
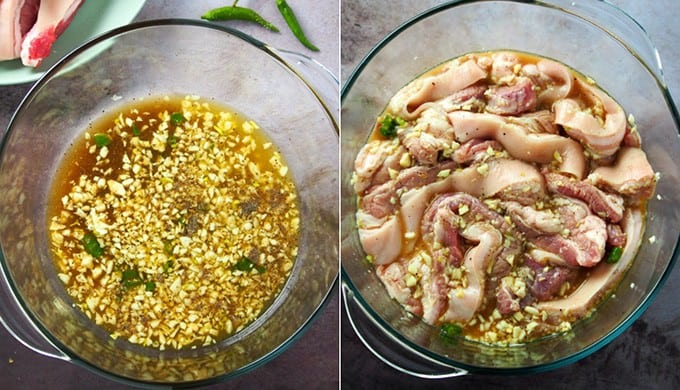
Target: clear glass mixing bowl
x,y
595,38
291,97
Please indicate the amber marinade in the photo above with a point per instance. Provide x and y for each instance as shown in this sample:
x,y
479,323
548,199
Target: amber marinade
x,y
173,222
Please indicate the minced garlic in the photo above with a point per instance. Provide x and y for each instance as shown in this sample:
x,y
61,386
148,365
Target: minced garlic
x,y
182,231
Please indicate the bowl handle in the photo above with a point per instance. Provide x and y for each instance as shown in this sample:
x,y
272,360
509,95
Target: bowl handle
x,y
321,80
379,342
19,324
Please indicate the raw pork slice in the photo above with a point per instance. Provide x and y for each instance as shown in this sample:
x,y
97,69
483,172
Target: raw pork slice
x,y
16,18
53,18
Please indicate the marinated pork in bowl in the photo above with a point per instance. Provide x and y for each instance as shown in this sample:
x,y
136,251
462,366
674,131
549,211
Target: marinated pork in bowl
x,y
498,195
501,204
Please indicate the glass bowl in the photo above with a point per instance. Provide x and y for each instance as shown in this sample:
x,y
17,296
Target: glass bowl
x,y
596,39
167,57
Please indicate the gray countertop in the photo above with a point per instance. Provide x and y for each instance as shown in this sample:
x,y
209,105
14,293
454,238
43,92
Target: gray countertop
x,y
312,361
646,355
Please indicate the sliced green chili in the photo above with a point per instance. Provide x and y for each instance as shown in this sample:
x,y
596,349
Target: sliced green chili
x,y
168,247
238,13
150,286
450,331
388,126
245,265
167,265
614,255
101,139
131,278
91,245
172,141
293,24
177,118
136,131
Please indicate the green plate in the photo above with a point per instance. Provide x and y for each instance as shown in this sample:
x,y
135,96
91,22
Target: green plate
x,y
93,18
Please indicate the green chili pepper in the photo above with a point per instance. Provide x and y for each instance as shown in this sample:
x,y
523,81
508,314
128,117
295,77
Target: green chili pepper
x,y
177,118
293,24
167,265
150,286
172,141
245,265
238,13
101,139
91,245
131,278
168,247
450,331
614,255
388,126
136,131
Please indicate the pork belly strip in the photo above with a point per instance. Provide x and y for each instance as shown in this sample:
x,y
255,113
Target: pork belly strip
x,y
560,81
511,179
463,304
569,232
541,148
584,247
605,205
381,239
373,162
508,179
602,138
393,277
445,216
512,99
16,18
409,101
631,175
431,135
380,230
452,217
602,277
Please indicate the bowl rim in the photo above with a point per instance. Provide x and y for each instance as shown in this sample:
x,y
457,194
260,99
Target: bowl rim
x,y
66,353
625,323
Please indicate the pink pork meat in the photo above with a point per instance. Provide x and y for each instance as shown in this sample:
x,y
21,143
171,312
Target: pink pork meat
x,y
53,18
16,18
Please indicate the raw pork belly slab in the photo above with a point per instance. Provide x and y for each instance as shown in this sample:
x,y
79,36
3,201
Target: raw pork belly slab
x,y
29,28
53,18
16,18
